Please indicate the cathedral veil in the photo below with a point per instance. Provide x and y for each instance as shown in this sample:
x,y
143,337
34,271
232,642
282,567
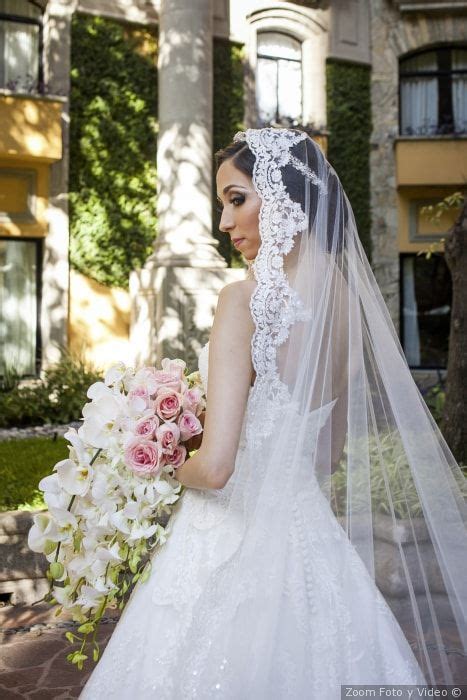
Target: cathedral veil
x,y
342,478
325,344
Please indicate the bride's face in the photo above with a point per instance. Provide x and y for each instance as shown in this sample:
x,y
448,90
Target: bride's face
x,y
240,209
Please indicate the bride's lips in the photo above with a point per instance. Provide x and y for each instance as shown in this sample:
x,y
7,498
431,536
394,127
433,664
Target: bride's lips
x,y
237,241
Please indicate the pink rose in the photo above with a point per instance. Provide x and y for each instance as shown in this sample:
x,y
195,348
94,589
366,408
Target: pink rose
x,y
177,457
167,404
176,367
189,425
144,457
167,380
193,401
146,427
168,435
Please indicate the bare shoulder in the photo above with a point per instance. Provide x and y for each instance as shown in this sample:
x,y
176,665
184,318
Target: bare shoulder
x,y
233,305
241,291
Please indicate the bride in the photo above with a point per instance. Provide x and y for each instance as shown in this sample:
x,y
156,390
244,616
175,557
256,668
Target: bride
x,y
321,539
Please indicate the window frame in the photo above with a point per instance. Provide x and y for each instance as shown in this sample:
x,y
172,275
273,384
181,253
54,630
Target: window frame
x,y
402,256
39,263
446,50
259,55
20,19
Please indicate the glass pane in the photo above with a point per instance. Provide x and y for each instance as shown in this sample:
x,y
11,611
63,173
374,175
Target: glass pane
x,y
20,57
419,106
18,305
23,8
278,45
426,310
266,90
459,91
422,62
290,90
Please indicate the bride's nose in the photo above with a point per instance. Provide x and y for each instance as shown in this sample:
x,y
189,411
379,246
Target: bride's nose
x,y
226,223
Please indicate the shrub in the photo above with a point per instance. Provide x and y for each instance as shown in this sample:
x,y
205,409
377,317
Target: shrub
x,y
388,466
57,398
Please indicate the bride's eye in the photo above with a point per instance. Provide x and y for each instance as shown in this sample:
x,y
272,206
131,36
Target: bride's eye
x,y
220,207
236,201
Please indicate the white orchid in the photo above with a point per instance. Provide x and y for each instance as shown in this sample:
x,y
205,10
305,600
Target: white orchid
x,y
74,478
82,454
115,374
109,553
102,517
43,530
89,598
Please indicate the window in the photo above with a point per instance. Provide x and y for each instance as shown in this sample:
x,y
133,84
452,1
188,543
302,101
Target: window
x,y
20,46
19,304
426,294
279,79
433,93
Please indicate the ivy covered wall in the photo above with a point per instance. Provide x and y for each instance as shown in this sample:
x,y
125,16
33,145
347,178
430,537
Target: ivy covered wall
x,y
112,148
113,144
349,124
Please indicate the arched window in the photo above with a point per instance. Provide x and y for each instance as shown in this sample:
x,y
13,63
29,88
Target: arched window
x,y
20,45
278,78
433,92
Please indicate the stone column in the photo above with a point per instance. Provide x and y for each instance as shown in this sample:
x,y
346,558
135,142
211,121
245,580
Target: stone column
x,y
174,295
55,276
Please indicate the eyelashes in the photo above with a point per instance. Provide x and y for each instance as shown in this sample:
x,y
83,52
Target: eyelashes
x,y
237,200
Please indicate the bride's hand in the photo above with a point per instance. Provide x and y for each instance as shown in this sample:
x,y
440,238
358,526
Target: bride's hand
x,y
194,443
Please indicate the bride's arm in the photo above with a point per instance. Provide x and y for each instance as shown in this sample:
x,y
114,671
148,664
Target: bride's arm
x,y
229,379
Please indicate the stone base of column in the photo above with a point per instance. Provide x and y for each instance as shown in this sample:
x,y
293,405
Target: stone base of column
x,y
172,310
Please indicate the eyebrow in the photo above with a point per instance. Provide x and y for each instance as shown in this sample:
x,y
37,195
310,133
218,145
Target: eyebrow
x,y
229,187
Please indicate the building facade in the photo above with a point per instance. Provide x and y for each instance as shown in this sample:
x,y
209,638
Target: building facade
x,y
406,121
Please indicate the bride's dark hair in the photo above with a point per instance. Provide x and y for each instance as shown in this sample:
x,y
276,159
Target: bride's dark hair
x,y
244,160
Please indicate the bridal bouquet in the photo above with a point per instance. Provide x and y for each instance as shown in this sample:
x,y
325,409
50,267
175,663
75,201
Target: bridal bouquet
x,y
105,501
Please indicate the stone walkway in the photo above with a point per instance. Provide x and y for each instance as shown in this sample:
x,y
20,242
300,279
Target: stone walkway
x,y
33,654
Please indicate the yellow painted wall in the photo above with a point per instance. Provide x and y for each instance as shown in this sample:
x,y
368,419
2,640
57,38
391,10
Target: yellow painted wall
x,y
431,161
99,321
13,192
30,127
426,228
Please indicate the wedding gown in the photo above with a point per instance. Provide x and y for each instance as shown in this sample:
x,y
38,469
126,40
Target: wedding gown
x,y
173,642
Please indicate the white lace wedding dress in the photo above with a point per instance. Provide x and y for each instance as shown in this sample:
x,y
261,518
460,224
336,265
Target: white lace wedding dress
x,y
173,641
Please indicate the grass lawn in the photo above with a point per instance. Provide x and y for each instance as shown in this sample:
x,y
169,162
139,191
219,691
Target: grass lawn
x,y
23,463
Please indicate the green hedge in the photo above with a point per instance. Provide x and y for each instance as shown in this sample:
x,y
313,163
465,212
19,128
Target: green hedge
x,y
227,120
349,123
112,148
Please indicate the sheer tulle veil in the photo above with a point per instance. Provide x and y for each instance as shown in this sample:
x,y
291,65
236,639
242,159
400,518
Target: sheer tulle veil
x,y
334,406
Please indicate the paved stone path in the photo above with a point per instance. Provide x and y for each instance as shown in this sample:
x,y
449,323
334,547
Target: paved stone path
x,y
33,654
